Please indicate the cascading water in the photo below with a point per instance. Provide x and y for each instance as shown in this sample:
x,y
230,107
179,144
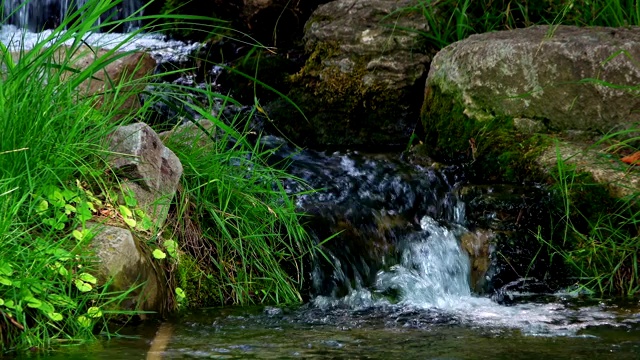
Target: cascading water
x,y
38,15
400,252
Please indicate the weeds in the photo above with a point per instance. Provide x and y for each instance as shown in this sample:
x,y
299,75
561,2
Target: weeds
x,y
453,20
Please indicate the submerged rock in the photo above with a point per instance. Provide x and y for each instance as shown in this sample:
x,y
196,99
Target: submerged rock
x,y
362,83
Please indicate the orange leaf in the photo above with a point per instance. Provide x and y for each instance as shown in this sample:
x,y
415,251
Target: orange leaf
x,y
633,159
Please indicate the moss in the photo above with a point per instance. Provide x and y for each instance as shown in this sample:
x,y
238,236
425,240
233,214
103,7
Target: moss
x,y
491,148
340,107
200,288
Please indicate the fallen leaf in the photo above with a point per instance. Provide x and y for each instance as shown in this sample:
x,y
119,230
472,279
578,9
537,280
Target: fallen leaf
x,y
633,159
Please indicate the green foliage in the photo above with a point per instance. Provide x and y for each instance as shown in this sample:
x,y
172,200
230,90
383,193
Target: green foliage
x,y
600,235
50,149
453,20
249,229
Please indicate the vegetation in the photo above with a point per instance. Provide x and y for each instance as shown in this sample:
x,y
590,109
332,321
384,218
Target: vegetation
x,y
54,179
453,20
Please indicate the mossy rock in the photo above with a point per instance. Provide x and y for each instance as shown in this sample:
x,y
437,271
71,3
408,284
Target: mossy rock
x,y
362,83
491,147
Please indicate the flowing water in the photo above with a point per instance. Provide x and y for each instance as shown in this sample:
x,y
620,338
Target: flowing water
x,y
38,15
395,283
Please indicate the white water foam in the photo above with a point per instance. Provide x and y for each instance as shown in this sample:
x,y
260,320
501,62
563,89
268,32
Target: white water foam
x,y
434,274
161,49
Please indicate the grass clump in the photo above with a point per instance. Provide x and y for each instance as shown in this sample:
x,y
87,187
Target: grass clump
x,y
599,234
453,20
240,229
50,150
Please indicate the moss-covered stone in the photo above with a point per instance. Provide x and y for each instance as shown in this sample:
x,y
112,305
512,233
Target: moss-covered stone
x,y
491,147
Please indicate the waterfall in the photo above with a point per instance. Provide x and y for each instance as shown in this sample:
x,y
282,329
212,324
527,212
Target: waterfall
x,y
38,15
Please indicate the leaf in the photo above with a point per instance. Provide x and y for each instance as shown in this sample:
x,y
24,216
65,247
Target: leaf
x,y
82,286
55,316
5,269
10,304
159,254
130,222
86,277
130,199
145,224
56,199
42,206
84,321
180,295
62,301
32,302
94,312
170,245
125,211
84,211
68,209
1,302
68,195
77,234
633,159
60,254
5,281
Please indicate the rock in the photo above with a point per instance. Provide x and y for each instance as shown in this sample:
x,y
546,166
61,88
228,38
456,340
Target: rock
x,y
613,175
478,244
191,133
149,169
502,243
363,80
539,73
122,72
487,95
276,22
124,267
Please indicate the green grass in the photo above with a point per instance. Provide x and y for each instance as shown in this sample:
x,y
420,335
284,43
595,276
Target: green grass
x,y
597,237
49,154
249,240
52,172
453,20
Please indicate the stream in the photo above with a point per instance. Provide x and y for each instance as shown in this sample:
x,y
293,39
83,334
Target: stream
x,y
399,289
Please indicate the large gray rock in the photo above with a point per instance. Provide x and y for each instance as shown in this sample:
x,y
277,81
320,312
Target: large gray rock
x,y
152,171
124,267
362,84
539,73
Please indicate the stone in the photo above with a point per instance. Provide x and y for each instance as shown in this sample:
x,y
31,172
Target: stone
x,y
148,168
122,72
550,74
277,22
478,244
613,175
191,133
362,84
123,266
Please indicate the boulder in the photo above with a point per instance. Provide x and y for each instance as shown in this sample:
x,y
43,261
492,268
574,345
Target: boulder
x,y
548,78
146,167
123,266
362,83
122,71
